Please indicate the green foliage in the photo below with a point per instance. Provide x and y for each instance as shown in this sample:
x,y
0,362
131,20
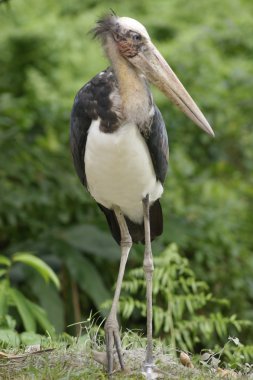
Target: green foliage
x,y
42,268
90,239
27,312
239,357
87,277
181,304
233,353
45,57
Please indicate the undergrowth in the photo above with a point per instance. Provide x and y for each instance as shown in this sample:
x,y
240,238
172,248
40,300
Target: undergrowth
x,y
185,313
73,358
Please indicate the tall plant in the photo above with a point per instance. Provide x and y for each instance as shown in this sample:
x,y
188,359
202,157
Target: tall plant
x,y
182,304
14,305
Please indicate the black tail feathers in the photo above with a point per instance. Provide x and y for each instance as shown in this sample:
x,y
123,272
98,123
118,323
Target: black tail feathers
x,y
136,230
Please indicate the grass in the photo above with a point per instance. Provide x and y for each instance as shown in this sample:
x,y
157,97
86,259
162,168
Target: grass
x,y
74,359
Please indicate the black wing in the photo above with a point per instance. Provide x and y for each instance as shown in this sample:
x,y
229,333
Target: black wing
x,y
157,142
91,102
80,123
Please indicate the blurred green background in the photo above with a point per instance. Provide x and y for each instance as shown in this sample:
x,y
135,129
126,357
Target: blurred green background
x,y
46,55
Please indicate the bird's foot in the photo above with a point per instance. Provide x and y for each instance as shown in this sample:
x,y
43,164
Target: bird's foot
x,y
151,372
112,337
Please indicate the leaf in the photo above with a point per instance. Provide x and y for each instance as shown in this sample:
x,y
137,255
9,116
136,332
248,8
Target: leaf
x,y
22,304
92,240
4,286
50,300
30,338
2,272
40,316
9,337
188,341
5,261
10,322
87,277
39,265
159,317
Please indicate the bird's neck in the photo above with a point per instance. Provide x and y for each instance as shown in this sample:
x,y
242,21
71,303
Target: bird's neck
x,y
136,101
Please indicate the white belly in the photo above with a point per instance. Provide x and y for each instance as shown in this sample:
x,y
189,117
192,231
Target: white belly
x,y
119,169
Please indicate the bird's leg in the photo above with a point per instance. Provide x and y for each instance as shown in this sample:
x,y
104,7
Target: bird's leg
x,y
148,270
112,335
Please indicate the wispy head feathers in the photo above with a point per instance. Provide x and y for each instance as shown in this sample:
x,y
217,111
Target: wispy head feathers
x,y
105,25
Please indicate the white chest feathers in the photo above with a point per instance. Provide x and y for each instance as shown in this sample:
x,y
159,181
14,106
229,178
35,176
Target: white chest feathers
x,y
119,169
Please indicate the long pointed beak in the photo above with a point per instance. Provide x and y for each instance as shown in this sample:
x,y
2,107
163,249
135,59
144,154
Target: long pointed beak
x,y
158,72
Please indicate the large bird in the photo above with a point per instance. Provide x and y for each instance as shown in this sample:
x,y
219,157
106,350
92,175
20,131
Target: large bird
x,y
120,149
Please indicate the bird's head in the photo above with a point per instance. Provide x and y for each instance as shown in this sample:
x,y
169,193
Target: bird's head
x,y
133,43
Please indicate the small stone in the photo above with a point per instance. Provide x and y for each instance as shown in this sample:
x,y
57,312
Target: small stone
x,y
33,348
185,360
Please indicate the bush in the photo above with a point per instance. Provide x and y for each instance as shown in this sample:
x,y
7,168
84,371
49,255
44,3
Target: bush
x,y
186,315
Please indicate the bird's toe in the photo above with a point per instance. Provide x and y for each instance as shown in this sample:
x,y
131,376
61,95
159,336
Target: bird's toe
x,y
151,373
112,338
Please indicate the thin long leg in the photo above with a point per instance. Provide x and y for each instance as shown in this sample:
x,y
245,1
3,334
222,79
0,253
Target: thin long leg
x,y
148,270
111,326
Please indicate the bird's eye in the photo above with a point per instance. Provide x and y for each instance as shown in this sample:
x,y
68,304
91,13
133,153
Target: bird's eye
x,y
136,37
116,37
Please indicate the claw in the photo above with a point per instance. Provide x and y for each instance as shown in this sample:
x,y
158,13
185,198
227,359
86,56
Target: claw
x,y
119,350
151,373
112,337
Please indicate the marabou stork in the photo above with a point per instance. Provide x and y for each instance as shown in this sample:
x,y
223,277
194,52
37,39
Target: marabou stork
x,y
120,149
